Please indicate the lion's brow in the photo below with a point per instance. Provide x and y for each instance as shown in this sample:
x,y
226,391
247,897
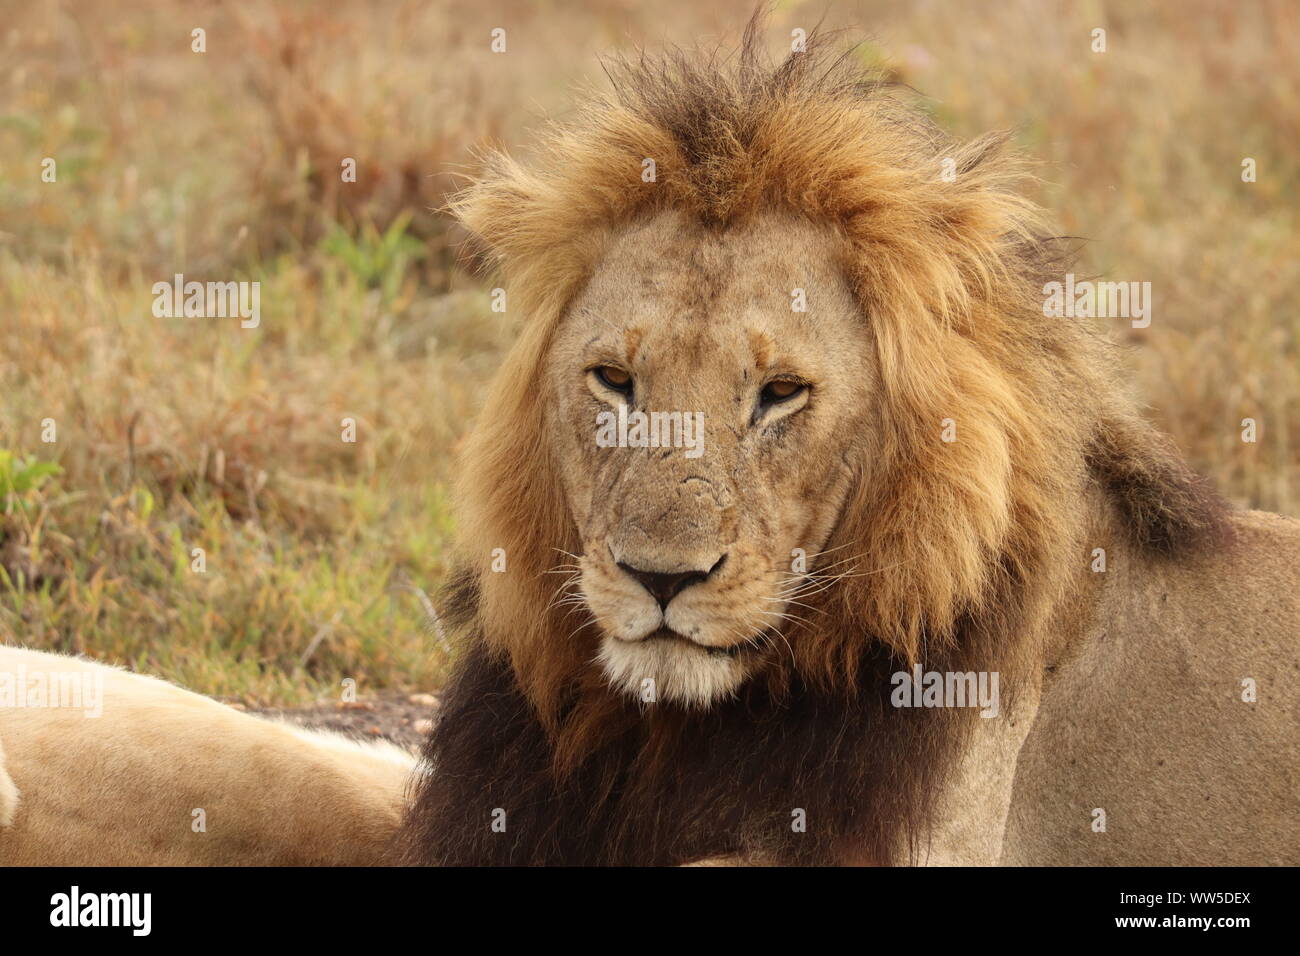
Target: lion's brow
x,y
632,340
761,347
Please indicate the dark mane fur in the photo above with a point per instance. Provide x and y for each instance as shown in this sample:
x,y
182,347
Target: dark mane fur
x,y
669,787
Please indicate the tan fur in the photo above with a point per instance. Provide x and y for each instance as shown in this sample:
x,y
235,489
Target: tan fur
x,y
1142,713
8,793
925,305
120,789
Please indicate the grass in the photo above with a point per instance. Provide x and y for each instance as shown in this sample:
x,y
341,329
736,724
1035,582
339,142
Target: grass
x,y
196,433
172,435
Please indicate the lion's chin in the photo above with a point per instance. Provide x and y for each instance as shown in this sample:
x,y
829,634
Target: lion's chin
x,y
670,670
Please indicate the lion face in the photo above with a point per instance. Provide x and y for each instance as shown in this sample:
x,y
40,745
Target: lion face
x,y
742,355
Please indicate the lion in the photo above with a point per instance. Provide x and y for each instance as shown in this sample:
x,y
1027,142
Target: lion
x,y
684,647
128,770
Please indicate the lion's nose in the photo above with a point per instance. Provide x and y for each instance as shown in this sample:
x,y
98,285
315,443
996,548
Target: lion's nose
x,y
663,587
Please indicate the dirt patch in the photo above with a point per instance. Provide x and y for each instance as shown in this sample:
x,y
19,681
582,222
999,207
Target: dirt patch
x,y
400,717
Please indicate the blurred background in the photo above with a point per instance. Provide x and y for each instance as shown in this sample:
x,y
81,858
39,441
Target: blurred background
x,y
176,434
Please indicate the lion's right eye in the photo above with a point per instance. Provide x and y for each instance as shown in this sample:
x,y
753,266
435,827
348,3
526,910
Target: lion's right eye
x,y
781,390
613,378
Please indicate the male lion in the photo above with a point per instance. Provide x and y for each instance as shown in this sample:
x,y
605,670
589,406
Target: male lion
x,y
904,464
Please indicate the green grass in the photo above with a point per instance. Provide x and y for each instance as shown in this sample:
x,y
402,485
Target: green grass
x,y
184,434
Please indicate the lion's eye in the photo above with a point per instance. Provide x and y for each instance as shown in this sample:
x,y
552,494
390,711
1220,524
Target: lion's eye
x,y
614,378
781,390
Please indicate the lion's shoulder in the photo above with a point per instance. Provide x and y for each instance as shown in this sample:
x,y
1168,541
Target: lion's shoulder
x,y
1262,554
1241,595
1267,528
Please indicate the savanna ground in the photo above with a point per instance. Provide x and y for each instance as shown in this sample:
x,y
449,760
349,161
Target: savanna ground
x,y
320,555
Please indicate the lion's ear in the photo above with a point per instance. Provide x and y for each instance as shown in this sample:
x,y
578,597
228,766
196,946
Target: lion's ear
x,y
493,206
543,227
539,235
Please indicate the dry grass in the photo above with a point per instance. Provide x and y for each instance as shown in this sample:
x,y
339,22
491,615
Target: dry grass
x,y
175,434
1141,150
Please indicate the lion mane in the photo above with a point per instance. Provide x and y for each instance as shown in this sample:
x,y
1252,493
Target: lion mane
x,y
969,544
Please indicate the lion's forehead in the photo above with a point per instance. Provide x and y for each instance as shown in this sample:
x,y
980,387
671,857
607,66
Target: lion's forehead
x,y
692,298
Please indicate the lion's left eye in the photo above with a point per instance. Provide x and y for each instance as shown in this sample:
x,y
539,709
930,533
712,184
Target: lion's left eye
x,y
613,378
781,390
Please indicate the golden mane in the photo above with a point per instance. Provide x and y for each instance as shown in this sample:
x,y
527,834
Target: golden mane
x,y
949,275
968,543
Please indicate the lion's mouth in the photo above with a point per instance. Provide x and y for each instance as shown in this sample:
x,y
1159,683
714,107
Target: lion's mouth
x,y
668,634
